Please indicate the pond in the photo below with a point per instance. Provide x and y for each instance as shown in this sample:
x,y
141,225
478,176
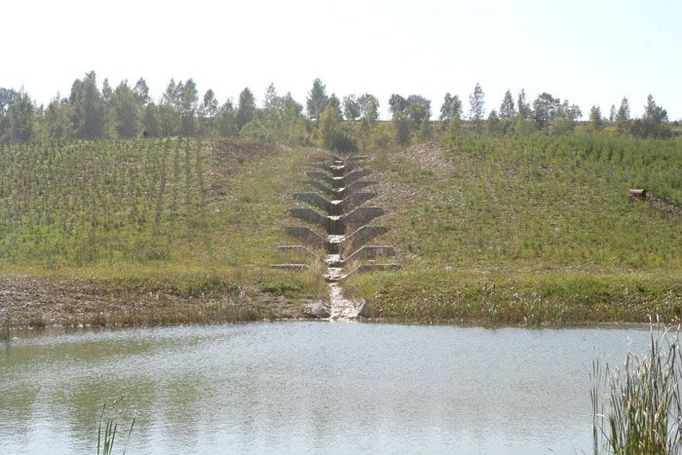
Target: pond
x,y
308,387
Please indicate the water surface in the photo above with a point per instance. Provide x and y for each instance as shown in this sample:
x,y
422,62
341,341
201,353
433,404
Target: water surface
x,y
308,387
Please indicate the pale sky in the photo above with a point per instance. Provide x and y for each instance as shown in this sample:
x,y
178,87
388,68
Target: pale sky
x,y
589,51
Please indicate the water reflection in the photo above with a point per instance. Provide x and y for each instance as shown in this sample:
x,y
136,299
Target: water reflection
x,y
308,388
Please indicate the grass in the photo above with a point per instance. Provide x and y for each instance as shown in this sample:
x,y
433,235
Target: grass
x,y
638,409
144,215
106,439
530,230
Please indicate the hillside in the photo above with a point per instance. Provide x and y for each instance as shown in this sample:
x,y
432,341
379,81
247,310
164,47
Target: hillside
x,y
489,229
530,230
91,226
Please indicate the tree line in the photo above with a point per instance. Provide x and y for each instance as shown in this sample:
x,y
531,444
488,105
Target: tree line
x,y
127,111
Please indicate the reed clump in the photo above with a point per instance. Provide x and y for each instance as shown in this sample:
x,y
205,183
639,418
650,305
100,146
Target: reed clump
x,y
638,409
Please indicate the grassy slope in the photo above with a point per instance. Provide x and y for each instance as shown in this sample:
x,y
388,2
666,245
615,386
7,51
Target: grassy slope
x,y
147,215
532,230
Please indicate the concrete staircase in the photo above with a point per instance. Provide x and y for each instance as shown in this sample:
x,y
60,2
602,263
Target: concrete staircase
x,y
337,228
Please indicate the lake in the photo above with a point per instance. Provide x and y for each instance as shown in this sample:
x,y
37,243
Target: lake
x,y
308,387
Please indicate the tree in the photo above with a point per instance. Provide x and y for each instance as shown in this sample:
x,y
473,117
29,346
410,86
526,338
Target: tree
x,y
596,118
451,110
208,110
494,124
330,134
564,117
477,106
107,91
141,91
168,112
7,99
507,110
189,99
124,111
317,100
247,108
351,108
335,103
88,107
418,108
612,114
57,121
545,108
402,127
397,105
524,109
227,122
369,107
329,121
20,119
270,97
150,121
623,116
653,123
447,108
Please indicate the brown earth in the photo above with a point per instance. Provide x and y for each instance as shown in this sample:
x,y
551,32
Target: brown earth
x,y
43,302
429,156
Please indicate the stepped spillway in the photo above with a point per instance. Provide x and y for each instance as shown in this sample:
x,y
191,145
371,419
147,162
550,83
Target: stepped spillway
x,y
345,223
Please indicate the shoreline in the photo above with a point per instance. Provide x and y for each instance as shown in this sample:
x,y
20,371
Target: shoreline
x,y
35,303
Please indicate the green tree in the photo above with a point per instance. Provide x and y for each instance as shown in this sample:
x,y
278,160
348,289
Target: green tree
x,y
57,121
335,103
317,100
477,107
20,116
247,108
447,110
88,107
141,91
189,99
507,109
397,105
7,99
524,109
653,123
124,111
169,109
418,109
403,129
351,108
369,108
151,125
208,110
623,116
329,123
596,119
612,114
226,121
494,123
545,108
564,117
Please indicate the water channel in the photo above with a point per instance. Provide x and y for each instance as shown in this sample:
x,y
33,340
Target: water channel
x,y
308,387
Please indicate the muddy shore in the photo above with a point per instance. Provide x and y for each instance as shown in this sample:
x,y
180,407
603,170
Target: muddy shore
x,y
42,302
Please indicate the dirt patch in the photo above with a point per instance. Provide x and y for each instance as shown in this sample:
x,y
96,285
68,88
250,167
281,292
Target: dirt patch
x,y
229,154
41,302
430,156
666,207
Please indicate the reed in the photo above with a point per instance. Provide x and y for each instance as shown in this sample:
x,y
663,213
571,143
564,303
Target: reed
x,y
106,438
637,409
4,329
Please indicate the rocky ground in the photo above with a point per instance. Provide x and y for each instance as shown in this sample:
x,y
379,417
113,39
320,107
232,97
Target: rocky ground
x,y
42,302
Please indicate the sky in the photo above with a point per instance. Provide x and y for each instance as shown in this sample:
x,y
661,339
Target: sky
x,y
591,52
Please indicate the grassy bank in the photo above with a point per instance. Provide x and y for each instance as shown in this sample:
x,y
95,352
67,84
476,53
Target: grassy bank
x,y
125,219
529,230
